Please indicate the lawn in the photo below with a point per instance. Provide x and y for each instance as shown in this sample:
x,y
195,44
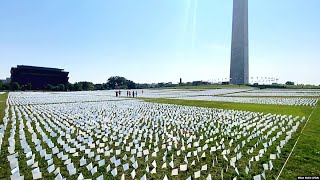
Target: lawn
x,y
266,108
211,87
270,96
3,98
302,87
305,159
217,86
4,165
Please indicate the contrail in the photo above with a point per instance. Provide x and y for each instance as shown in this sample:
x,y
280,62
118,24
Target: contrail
x,y
186,22
183,36
189,27
194,23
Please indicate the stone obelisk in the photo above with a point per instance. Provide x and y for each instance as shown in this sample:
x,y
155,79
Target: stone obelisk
x,y
239,67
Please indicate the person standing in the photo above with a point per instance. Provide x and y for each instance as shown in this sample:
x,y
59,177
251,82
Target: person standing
x,y
132,93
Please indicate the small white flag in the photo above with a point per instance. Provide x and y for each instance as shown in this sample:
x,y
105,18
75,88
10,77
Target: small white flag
x,y
114,172
247,170
174,172
270,165
197,174
133,174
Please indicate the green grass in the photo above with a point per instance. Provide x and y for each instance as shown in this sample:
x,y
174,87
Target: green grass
x,y
266,108
302,87
305,159
242,86
269,96
3,98
4,164
210,87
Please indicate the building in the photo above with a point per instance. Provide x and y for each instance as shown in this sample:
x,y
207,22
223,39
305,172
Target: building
x,y
39,77
239,67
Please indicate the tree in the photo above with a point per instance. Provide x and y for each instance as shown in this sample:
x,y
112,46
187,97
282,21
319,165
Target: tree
x,y
131,84
50,87
116,81
1,85
70,87
87,86
160,85
98,87
15,86
61,87
91,86
105,86
289,83
29,86
6,86
142,86
77,86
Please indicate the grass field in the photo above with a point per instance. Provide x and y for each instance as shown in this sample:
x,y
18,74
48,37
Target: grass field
x,y
302,87
271,96
210,87
3,98
266,108
242,86
305,159
4,165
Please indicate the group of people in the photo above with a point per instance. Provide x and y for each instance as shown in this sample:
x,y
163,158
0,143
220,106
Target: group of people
x,y
118,93
134,94
129,93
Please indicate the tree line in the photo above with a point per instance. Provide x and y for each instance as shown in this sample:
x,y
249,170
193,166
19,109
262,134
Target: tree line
x,y
114,82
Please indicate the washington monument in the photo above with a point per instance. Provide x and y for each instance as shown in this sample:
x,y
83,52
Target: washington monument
x,y
239,70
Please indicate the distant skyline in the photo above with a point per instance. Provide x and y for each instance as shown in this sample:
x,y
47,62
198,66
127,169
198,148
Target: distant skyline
x,y
159,41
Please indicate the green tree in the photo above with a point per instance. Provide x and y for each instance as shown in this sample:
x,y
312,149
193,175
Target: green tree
x,y
6,86
289,83
15,86
116,82
55,88
87,86
50,87
1,85
142,86
70,87
61,87
77,86
131,84
29,86
105,86
98,87
160,85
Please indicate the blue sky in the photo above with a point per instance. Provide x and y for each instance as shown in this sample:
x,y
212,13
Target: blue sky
x,y
159,40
